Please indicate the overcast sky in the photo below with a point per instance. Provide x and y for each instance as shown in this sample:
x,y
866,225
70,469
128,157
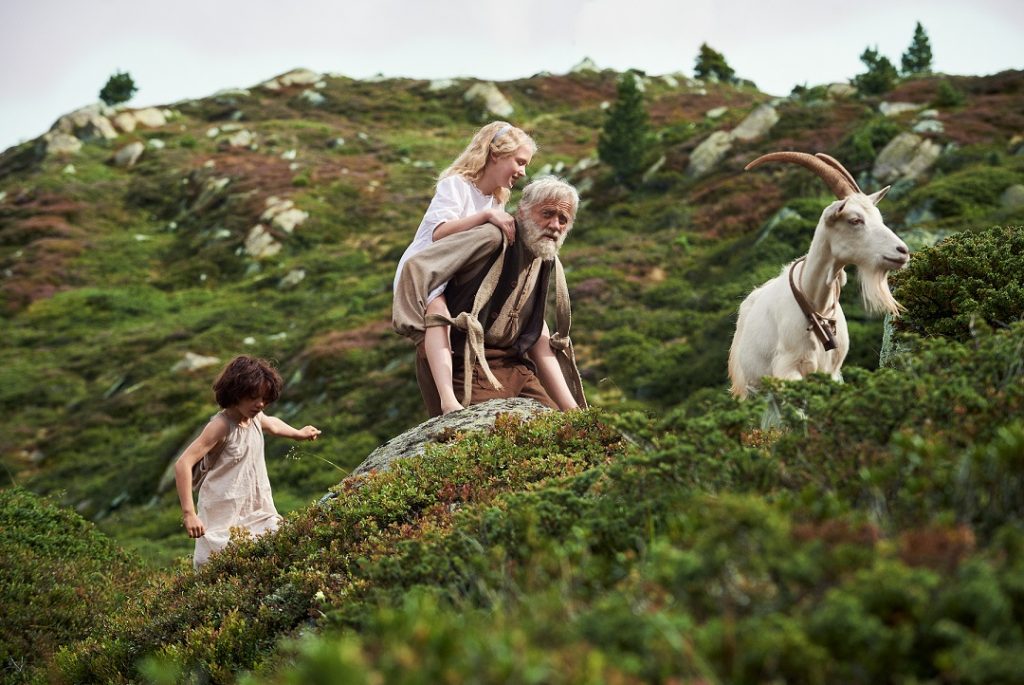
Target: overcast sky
x,y
57,54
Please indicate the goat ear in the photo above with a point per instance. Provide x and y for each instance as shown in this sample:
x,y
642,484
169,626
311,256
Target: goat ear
x,y
837,211
876,197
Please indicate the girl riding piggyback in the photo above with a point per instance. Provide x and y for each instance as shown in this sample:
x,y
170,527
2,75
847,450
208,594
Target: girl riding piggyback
x,y
470,192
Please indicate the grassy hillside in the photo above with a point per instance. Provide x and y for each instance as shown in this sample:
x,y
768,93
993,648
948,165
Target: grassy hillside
x,y
704,549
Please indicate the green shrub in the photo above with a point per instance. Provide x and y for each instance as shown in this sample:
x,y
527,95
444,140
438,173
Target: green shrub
x,y
860,147
948,95
880,76
60,578
966,281
119,88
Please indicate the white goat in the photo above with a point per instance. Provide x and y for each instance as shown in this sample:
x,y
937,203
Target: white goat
x,y
778,336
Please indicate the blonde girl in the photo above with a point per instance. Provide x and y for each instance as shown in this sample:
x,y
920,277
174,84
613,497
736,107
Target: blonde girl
x,y
470,192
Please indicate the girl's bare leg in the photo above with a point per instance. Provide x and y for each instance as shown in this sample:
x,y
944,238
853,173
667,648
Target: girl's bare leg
x,y
438,347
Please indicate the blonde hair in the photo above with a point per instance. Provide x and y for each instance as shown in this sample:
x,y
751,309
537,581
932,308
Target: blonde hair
x,y
498,137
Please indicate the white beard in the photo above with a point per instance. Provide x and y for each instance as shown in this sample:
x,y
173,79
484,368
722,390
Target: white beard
x,y
536,241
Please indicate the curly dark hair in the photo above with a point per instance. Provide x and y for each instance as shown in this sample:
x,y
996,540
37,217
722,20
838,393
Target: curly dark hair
x,y
246,377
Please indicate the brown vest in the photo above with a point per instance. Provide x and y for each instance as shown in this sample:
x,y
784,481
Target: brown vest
x,y
460,298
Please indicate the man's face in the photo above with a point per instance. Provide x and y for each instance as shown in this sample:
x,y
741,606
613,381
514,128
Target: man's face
x,y
545,225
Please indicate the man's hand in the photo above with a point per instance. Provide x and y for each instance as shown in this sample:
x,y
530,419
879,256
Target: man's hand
x,y
504,221
194,526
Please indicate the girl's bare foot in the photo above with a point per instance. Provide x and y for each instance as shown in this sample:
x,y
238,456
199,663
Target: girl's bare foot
x,y
449,408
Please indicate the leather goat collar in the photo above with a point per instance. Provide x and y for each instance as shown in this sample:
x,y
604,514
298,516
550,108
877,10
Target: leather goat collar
x,y
824,328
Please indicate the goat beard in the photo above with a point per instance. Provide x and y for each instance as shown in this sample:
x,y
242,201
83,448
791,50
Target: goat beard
x,y
874,289
537,240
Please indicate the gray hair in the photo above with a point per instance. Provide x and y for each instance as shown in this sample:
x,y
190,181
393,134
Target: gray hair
x,y
549,188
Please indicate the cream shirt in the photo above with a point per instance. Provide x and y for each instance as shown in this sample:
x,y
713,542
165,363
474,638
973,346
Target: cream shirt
x,y
455,198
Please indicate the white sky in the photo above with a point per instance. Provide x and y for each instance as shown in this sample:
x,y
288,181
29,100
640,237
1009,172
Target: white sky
x,y
55,55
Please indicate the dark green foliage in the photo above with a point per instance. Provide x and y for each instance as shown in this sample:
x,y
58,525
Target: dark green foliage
x,y
60,577
119,88
948,95
711,65
918,57
880,76
861,146
967,281
773,554
625,143
970,195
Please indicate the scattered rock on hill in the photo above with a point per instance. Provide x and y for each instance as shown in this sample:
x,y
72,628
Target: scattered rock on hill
x,y
194,362
840,91
128,155
893,109
757,123
61,143
585,64
283,214
295,77
710,152
907,156
717,145
259,243
493,100
88,123
1013,197
149,117
414,441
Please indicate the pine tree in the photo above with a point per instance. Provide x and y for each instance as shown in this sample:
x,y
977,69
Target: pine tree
x,y
918,57
625,141
119,88
881,74
711,65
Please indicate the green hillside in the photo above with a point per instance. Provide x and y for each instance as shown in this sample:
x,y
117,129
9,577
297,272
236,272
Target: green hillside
x,y
873,535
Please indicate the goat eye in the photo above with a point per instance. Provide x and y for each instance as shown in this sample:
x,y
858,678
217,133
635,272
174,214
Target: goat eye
x,y
856,221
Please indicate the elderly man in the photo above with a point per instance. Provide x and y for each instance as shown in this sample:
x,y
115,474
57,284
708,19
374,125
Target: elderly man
x,y
497,294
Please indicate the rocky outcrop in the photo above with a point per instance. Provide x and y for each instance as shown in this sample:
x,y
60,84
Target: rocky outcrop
x,y
717,145
295,77
193,362
710,152
907,156
757,123
894,109
414,442
88,123
585,64
61,143
128,155
1012,197
129,120
492,99
259,243
840,91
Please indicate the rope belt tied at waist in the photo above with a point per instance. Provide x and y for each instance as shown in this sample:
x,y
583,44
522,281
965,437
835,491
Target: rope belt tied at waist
x,y
469,323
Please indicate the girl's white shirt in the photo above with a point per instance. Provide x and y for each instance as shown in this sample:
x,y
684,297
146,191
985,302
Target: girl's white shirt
x,y
456,197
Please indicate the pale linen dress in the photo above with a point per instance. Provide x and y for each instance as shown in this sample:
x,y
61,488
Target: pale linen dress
x,y
456,197
236,492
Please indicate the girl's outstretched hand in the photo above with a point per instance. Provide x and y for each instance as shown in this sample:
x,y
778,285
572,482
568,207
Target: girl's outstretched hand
x,y
194,526
505,222
308,433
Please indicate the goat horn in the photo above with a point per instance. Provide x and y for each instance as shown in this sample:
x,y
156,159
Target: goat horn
x,y
832,161
836,180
